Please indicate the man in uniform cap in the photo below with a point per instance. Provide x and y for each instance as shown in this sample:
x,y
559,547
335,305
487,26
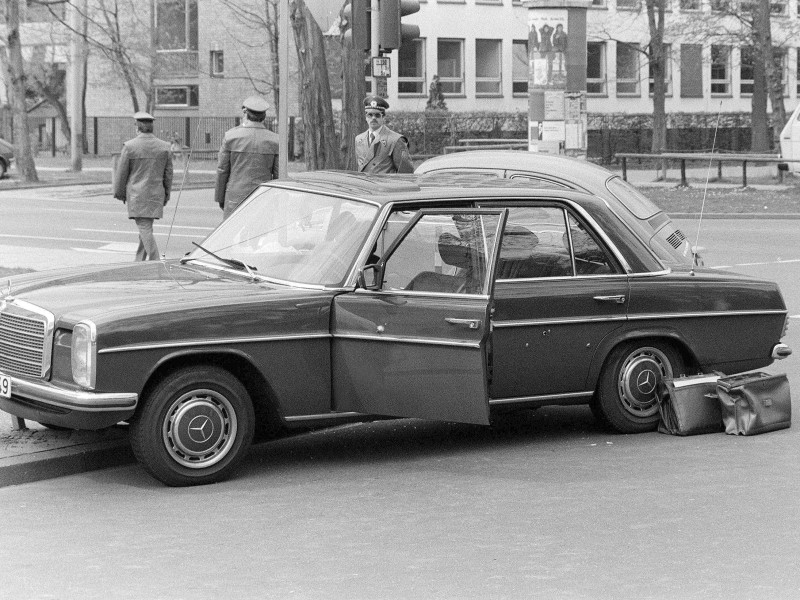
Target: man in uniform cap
x,y
248,157
379,149
143,180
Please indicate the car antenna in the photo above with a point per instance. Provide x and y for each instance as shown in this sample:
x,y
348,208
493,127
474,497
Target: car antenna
x,y
180,191
705,190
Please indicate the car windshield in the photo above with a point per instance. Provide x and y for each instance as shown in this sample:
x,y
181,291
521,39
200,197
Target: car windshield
x,y
292,235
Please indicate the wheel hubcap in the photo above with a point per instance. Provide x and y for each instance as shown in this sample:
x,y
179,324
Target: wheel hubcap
x,y
639,378
200,428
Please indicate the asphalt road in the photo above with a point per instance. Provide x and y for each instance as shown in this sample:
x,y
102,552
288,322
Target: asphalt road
x,y
541,505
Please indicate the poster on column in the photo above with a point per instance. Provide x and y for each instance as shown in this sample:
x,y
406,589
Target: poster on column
x,y
548,38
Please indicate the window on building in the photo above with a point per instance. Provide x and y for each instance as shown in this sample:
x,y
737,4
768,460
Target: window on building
x,y
746,6
780,62
667,70
690,4
411,68
599,3
177,96
779,8
596,68
720,70
627,69
519,70
35,11
628,4
723,6
176,25
217,63
797,71
488,67
450,66
746,62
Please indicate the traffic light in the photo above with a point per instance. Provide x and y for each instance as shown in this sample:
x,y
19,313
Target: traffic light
x,y
392,33
357,13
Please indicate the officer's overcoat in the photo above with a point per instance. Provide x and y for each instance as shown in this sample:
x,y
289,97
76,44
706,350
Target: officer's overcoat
x,y
143,178
388,153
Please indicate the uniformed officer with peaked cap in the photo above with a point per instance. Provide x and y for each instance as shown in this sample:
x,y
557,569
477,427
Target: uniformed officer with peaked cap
x,y
379,149
247,158
143,180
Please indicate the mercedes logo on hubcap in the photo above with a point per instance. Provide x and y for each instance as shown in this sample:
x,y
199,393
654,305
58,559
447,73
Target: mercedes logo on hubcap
x,y
201,429
646,382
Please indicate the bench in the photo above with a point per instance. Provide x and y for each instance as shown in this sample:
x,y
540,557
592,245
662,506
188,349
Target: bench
x,y
718,158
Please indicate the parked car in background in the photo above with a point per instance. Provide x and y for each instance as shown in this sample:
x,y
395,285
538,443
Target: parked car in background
x,y
628,203
342,297
6,157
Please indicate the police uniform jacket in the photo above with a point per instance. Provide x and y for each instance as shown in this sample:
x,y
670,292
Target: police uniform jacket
x,y
388,153
143,178
248,157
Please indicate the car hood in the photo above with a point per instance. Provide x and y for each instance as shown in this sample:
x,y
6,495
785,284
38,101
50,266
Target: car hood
x,y
105,293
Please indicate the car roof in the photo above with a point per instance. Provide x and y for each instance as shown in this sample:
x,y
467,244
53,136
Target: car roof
x,y
592,176
384,188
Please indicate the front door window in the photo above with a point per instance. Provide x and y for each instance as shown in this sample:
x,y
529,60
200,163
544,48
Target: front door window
x,y
444,253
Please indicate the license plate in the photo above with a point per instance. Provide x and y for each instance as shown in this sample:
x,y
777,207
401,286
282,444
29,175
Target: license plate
x,y
5,386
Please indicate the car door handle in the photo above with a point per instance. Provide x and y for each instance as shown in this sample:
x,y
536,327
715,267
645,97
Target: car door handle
x,y
615,299
469,323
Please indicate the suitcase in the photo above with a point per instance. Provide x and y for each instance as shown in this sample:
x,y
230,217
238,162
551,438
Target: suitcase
x,y
754,403
689,405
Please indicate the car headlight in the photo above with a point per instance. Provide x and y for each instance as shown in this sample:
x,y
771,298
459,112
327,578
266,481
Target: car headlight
x,y
84,354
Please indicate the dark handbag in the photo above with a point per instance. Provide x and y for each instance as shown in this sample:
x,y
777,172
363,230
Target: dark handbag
x,y
755,403
688,405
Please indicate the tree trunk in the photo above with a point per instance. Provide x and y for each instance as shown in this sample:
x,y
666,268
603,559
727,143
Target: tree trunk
x,y
772,73
760,141
320,147
655,18
16,75
354,89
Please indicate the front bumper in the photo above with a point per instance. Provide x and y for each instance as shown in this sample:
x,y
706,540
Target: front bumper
x,y
44,402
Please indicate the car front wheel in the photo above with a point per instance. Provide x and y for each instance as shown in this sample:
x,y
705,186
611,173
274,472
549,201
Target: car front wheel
x,y
626,392
193,427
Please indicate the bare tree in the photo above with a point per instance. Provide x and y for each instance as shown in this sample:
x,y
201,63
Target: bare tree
x,y
657,61
14,71
320,147
353,91
263,17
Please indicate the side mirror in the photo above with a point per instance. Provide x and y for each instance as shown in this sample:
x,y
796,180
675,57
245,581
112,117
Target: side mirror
x,y
783,166
369,277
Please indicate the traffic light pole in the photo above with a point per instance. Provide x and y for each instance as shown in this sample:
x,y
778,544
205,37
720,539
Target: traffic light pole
x,y
375,27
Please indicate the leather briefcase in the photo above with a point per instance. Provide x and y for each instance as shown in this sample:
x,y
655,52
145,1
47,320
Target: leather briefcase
x,y
754,403
689,406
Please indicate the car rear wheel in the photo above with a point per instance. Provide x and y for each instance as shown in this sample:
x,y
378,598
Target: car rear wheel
x,y
626,392
3,168
194,427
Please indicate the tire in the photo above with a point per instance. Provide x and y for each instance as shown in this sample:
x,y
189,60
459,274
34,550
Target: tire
x,y
193,427
3,168
626,393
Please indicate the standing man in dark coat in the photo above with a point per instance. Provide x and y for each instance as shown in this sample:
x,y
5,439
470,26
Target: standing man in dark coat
x,y
247,158
143,180
379,149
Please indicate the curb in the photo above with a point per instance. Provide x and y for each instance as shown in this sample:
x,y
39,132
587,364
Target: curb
x,y
71,460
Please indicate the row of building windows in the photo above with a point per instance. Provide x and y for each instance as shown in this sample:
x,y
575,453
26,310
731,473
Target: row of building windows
x,y
628,61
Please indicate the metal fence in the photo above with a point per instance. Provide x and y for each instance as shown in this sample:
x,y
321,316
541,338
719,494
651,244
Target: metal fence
x,y
428,135
105,135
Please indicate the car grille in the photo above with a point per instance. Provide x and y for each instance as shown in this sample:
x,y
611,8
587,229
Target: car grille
x,y
676,239
26,339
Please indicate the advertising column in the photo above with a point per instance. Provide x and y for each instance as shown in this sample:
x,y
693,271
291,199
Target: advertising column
x,y
557,76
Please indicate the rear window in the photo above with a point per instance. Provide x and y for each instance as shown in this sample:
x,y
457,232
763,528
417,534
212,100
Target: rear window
x,y
632,199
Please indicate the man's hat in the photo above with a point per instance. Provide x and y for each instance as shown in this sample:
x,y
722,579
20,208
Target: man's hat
x,y
255,104
143,116
375,103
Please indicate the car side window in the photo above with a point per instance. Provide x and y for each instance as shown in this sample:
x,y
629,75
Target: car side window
x,y
444,253
533,244
590,258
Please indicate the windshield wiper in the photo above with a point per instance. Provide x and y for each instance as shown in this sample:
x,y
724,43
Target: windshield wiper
x,y
231,262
